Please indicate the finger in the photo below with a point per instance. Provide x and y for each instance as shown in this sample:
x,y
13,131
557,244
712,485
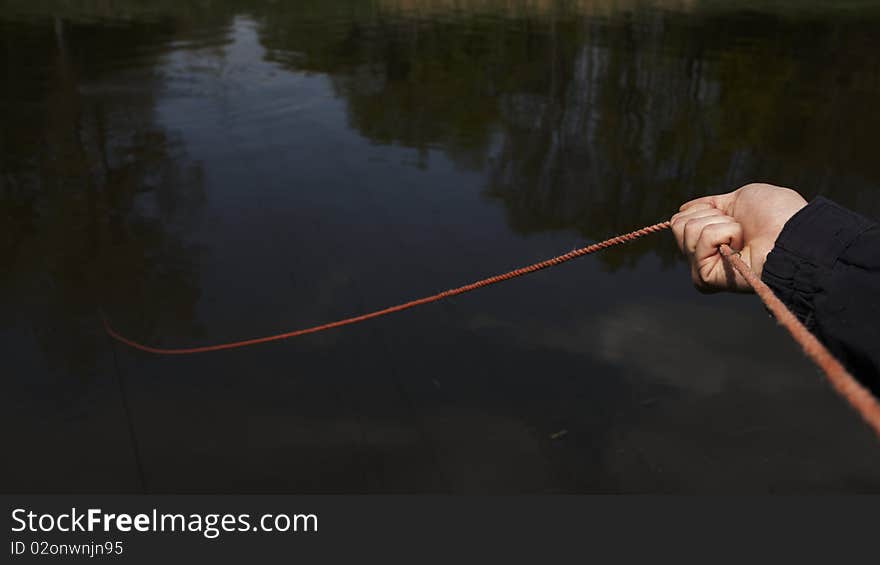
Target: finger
x,y
694,229
696,212
695,207
680,220
700,282
713,235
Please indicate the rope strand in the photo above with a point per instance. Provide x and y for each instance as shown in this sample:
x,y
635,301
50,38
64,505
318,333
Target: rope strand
x,y
840,379
397,308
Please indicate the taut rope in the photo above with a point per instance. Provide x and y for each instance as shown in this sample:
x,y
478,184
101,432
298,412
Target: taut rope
x,y
840,379
844,383
397,308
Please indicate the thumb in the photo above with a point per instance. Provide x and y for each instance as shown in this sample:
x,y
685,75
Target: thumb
x,y
719,201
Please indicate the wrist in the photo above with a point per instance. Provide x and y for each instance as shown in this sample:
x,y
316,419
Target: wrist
x,y
758,253
820,231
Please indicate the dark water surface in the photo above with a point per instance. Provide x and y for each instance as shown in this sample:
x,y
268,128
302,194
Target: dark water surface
x,y
207,171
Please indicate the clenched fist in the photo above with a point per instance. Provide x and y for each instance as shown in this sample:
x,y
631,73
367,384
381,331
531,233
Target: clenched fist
x,y
749,219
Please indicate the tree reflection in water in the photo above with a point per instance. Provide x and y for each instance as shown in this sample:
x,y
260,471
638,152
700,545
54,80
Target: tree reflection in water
x,y
595,120
94,194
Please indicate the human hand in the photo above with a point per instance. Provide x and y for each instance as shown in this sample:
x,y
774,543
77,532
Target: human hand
x,y
749,219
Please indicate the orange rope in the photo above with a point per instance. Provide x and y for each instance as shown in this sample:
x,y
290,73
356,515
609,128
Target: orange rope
x,y
841,380
391,309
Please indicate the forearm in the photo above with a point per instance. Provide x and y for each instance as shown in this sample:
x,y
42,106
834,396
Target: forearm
x,y
825,266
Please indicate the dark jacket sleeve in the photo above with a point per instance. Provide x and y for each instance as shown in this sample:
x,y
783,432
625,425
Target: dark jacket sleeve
x,y
825,266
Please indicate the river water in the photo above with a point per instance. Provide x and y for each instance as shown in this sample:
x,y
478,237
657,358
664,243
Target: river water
x,y
210,171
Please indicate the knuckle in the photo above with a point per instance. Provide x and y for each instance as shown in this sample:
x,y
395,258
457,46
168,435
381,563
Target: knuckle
x,y
678,228
714,229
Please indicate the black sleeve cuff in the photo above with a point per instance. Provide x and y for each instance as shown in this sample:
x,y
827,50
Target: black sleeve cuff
x,y
810,243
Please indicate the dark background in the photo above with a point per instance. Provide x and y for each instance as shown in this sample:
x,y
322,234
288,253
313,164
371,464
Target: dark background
x,y
208,171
